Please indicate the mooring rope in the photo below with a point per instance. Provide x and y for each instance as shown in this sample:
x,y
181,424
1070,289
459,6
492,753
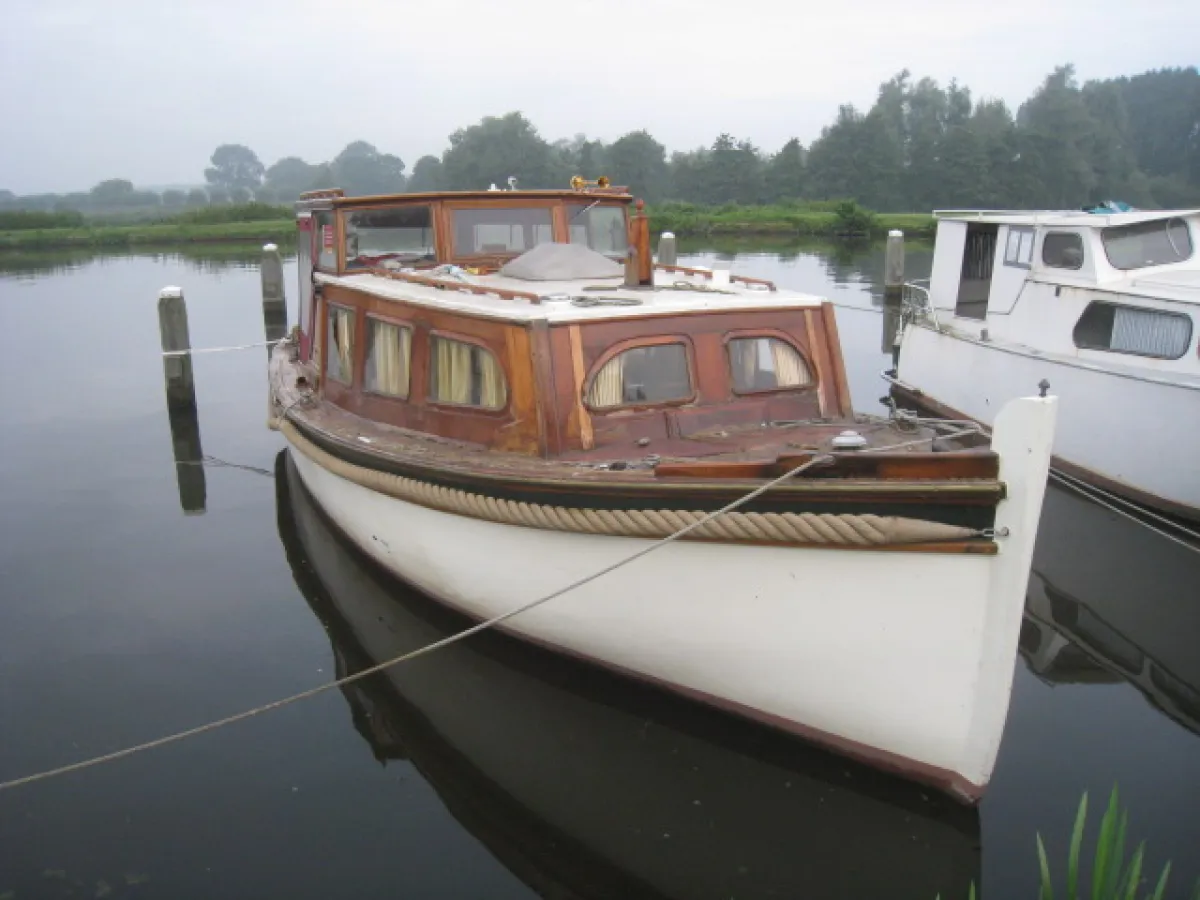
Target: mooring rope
x,y
421,651
194,351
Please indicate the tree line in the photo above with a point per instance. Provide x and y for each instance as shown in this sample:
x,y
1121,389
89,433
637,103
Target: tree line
x,y
920,146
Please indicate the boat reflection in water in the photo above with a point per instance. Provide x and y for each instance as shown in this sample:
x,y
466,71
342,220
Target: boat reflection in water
x,y
1110,600
585,784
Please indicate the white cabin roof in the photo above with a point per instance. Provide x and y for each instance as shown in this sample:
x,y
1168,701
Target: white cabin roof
x,y
1060,218
673,294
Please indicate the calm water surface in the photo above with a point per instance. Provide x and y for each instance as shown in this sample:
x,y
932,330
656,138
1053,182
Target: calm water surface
x,y
491,769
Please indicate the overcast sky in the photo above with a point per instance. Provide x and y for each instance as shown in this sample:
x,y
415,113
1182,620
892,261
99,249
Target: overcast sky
x,y
143,90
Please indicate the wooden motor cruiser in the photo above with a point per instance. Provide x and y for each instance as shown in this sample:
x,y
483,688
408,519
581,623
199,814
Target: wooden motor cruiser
x,y
497,394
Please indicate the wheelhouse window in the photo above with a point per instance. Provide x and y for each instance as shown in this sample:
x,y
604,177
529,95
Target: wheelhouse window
x,y
598,227
656,373
1155,243
465,375
501,230
402,234
389,356
766,364
1062,250
339,345
1136,330
1018,249
326,243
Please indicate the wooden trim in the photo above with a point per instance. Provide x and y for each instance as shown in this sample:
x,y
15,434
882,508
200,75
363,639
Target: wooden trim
x,y
586,435
513,197
706,273
967,464
818,354
449,284
829,317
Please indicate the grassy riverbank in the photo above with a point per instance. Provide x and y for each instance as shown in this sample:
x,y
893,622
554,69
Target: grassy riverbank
x,y
258,223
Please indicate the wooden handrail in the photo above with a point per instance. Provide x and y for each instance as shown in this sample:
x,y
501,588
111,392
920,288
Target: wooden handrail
x,y
707,273
449,284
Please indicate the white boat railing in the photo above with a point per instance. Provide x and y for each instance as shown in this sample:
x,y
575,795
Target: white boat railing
x,y
916,302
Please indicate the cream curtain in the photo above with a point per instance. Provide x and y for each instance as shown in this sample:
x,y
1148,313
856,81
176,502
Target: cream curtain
x,y
790,370
608,387
492,391
452,362
345,344
389,359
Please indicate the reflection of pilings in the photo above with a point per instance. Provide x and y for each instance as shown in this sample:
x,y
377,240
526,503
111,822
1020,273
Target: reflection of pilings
x,y
893,290
181,400
274,302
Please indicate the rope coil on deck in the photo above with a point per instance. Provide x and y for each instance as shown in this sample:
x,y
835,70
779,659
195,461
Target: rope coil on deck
x,y
775,528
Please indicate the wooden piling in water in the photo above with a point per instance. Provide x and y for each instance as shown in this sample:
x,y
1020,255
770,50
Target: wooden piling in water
x,y
667,250
893,290
274,300
181,401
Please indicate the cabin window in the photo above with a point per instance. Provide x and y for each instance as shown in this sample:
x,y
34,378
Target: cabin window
x,y
479,232
326,242
1062,250
1132,329
766,364
600,228
339,345
402,234
1018,249
1156,243
389,354
657,373
465,374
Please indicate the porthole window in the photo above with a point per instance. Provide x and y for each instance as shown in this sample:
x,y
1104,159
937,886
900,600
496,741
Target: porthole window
x,y
465,375
389,352
766,364
1062,250
1136,330
657,373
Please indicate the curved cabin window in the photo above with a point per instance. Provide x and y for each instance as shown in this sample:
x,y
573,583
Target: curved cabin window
x,y
402,234
1155,243
389,355
465,375
1132,329
1062,250
640,376
339,345
766,364
501,230
599,228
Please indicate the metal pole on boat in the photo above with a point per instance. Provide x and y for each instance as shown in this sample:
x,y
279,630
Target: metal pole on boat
x,y
181,400
667,251
893,290
274,301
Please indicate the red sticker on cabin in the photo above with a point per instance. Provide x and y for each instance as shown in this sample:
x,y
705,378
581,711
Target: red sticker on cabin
x,y
327,237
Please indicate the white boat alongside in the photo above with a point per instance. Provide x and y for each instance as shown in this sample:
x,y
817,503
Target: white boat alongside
x,y
1105,306
484,435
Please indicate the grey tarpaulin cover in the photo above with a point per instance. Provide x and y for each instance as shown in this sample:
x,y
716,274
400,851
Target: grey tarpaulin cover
x,y
561,262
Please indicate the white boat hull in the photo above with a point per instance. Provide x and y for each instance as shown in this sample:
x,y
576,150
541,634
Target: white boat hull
x,y
903,659
1135,435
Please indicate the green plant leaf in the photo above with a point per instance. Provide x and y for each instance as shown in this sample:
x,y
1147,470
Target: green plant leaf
x,y
1076,843
1161,888
1133,877
1047,890
1104,849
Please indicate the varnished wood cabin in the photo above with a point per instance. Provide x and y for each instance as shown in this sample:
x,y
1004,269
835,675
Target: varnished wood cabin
x,y
633,365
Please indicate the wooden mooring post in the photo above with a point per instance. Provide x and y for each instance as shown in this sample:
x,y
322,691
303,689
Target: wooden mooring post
x,y
181,400
274,300
893,291
668,253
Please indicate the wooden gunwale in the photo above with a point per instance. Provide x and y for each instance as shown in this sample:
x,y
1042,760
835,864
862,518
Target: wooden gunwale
x,y
707,274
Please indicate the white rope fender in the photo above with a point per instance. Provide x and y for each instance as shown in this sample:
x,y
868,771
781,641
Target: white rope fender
x,y
776,528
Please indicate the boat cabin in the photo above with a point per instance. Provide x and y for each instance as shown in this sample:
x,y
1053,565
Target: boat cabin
x,y
1082,284
447,314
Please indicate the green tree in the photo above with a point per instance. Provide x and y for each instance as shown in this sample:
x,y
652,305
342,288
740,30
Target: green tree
x,y
360,170
197,197
217,195
496,149
112,194
638,161
290,177
1056,136
234,166
831,166
786,178
173,198
426,175
239,195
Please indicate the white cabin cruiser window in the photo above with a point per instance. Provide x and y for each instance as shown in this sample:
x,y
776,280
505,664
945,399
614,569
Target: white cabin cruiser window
x,y
465,375
1062,250
389,355
655,373
339,345
600,228
403,234
1018,249
766,364
1133,329
1155,243
501,230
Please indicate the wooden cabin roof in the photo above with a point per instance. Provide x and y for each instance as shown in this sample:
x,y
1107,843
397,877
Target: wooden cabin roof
x,y
332,199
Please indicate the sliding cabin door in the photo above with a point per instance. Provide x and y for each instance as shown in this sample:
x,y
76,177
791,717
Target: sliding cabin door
x,y
975,280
